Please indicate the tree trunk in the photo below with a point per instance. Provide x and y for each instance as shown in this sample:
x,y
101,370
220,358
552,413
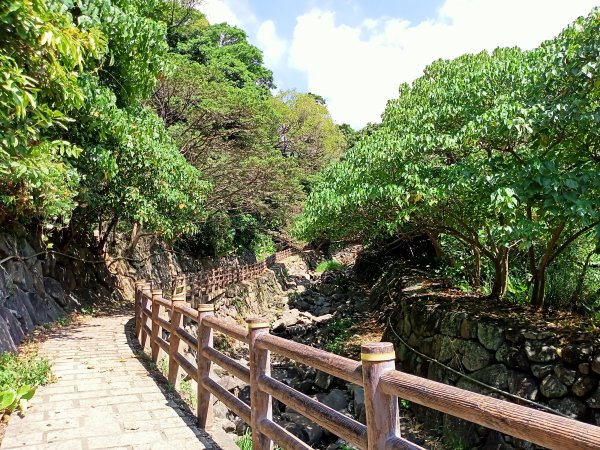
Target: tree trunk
x,y
434,238
136,234
539,287
101,248
539,274
501,274
476,276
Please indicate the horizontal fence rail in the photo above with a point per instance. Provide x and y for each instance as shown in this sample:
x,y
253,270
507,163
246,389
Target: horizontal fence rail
x,y
156,318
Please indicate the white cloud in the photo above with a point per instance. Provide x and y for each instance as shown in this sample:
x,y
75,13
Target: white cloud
x,y
218,11
357,69
273,46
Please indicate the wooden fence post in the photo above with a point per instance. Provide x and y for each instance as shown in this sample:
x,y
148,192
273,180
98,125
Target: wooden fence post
x,y
260,364
138,306
205,339
174,341
146,294
154,347
381,409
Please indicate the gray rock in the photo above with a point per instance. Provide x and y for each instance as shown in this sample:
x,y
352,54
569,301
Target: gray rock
x,y
335,399
425,320
538,335
358,402
570,406
11,332
523,385
552,387
594,400
515,335
596,363
491,336
541,370
567,376
445,348
55,290
450,325
513,357
495,376
538,351
584,385
475,357
468,329
19,302
302,428
323,380
577,353
584,368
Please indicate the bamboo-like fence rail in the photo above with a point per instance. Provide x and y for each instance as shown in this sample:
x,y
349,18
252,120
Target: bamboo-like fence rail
x,y
375,373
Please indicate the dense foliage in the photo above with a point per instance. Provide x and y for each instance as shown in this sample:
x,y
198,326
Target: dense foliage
x,y
257,151
493,156
141,117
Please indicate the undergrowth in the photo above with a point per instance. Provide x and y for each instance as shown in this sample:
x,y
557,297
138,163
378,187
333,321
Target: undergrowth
x,y
323,266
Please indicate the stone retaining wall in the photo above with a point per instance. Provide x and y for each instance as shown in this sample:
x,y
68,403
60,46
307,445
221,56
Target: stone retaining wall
x,y
551,367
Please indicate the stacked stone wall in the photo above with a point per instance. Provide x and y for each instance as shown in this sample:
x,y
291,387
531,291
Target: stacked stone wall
x,y
555,368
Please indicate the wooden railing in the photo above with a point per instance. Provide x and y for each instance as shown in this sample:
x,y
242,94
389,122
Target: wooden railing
x,y
383,385
204,285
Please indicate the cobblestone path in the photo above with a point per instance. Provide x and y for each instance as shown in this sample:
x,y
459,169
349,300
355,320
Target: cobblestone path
x,y
104,398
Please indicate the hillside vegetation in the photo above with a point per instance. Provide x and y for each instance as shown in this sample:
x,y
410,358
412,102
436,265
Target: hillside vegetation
x,y
495,158
140,117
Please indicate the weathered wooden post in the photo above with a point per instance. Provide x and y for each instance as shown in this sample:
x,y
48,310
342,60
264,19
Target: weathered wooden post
x,y
138,306
178,300
154,347
381,409
205,340
260,364
145,301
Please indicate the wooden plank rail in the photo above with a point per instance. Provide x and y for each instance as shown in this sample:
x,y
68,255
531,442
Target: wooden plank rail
x,y
375,373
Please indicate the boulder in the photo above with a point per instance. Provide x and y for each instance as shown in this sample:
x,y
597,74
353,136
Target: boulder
x,y
475,357
358,402
566,376
19,303
468,329
523,385
513,357
594,400
577,353
515,335
450,325
335,399
540,352
584,368
11,331
570,406
445,348
596,363
323,380
541,370
54,289
495,376
491,336
584,385
552,387
304,429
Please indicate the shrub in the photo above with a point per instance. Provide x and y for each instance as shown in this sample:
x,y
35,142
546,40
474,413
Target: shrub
x,y
323,266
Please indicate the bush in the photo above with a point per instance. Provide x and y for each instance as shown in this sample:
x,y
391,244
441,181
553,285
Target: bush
x,y
19,378
323,266
18,371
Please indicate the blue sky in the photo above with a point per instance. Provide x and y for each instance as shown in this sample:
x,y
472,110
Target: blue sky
x,y
355,53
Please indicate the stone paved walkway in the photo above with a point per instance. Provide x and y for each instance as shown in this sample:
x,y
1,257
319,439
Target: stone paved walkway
x,y
103,398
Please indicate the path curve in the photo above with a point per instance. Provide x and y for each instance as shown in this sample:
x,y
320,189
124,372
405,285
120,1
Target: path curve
x,y
104,398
